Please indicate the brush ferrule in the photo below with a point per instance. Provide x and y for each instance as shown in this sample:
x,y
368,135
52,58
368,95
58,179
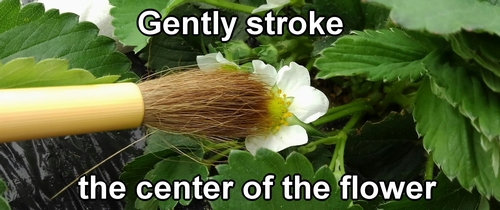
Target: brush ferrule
x,y
34,113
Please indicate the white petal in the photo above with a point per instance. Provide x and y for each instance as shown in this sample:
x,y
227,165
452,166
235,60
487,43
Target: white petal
x,y
266,72
309,104
207,62
291,78
213,61
220,58
286,137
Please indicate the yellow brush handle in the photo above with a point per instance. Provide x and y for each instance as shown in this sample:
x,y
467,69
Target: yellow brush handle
x,y
33,113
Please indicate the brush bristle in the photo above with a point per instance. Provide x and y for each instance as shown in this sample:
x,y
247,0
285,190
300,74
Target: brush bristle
x,y
211,103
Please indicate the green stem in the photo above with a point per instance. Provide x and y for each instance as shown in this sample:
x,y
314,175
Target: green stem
x,y
394,90
230,5
337,162
291,58
429,168
312,145
402,100
340,114
411,96
326,140
346,106
332,133
352,122
309,128
310,64
217,146
220,155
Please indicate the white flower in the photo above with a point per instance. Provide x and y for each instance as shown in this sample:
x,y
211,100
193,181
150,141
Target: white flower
x,y
271,4
95,11
214,61
292,96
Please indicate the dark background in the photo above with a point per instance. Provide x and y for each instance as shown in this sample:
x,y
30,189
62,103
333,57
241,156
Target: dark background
x,y
36,170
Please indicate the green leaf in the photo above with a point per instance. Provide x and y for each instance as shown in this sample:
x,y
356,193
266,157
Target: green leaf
x,y
388,150
4,204
321,156
169,52
136,170
54,35
375,16
125,14
349,11
322,43
244,167
3,187
447,195
173,169
160,147
462,89
456,146
14,16
9,19
356,15
387,55
483,48
444,16
165,51
24,72
491,80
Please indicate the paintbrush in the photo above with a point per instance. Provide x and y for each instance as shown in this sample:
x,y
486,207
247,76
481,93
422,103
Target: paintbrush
x,y
228,104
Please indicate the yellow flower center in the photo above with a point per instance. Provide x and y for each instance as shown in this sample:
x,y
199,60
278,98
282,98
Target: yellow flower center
x,y
278,109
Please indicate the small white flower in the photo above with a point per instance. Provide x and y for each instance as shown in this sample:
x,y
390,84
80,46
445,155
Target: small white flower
x,y
214,61
293,96
271,4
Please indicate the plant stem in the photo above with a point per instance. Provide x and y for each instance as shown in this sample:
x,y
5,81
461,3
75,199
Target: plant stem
x,y
220,155
337,162
309,128
310,64
352,122
395,89
411,96
402,100
341,113
332,133
230,5
334,138
312,145
346,106
429,168
291,58
228,144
